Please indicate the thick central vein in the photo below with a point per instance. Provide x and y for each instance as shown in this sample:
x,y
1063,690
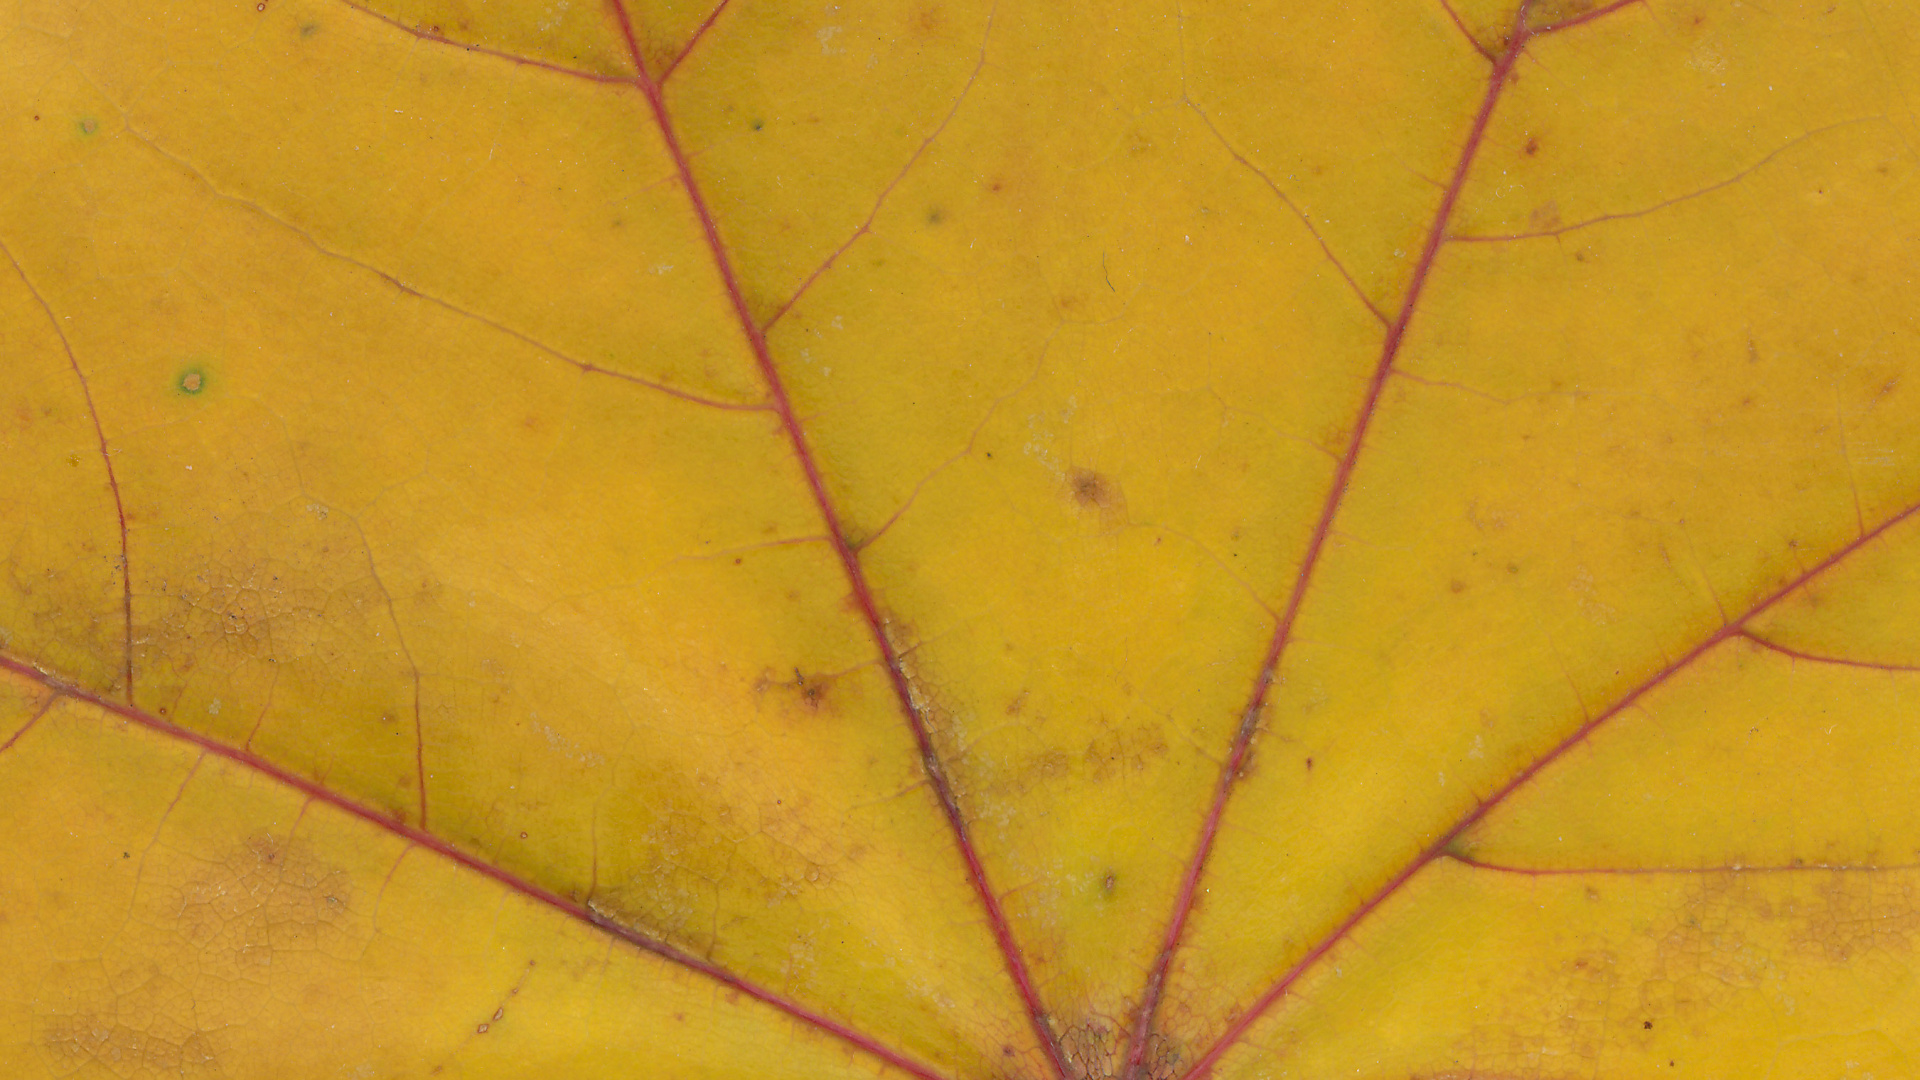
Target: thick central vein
x,y
1236,759
863,598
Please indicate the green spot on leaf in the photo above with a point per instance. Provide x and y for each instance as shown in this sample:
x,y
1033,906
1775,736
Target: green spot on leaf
x,y
191,381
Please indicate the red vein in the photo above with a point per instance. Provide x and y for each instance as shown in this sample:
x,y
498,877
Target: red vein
x,y
447,305
1440,847
1445,384
1583,17
891,184
1325,249
1460,24
419,738
31,720
1627,215
106,458
1336,492
973,440
1649,871
434,36
1846,457
1814,659
420,838
674,65
863,596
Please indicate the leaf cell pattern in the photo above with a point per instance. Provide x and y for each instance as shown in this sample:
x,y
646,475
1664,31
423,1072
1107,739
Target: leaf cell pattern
x,y
1366,539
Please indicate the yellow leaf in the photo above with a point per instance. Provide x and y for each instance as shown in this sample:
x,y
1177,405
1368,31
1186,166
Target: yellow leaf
x,y
959,539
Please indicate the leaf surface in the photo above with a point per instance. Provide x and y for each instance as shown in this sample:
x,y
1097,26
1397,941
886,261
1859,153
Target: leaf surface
x,y
959,539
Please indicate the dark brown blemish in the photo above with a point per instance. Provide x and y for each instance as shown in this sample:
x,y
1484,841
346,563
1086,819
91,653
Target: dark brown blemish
x,y
1107,883
811,690
1090,488
1533,146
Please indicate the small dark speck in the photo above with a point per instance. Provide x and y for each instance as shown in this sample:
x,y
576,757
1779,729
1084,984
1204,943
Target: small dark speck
x,y
935,215
126,855
1309,764
309,30
1648,1025
758,124
737,560
1107,883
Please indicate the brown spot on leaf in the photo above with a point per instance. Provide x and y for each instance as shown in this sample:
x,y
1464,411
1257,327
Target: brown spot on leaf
x,y
1100,494
1089,487
927,21
145,1011
1116,754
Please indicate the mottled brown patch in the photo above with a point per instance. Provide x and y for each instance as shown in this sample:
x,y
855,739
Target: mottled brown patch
x,y
1089,488
927,21
809,693
1099,494
1096,1049
1117,754
105,1044
204,964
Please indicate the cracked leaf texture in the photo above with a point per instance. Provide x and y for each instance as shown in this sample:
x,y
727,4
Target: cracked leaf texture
x,y
964,539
